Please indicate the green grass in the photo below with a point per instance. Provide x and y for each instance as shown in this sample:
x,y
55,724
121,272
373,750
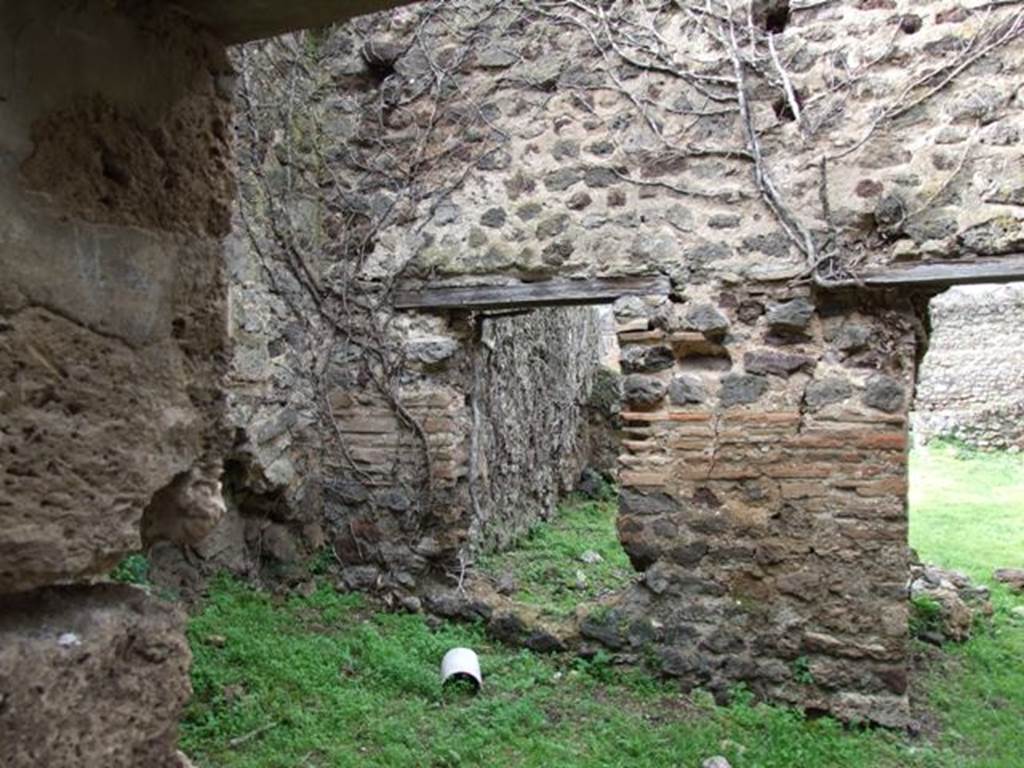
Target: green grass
x,y
967,509
547,561
967,512
323,681
329,681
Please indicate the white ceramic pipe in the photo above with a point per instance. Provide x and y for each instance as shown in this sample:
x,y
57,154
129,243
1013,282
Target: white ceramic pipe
x,y
461,663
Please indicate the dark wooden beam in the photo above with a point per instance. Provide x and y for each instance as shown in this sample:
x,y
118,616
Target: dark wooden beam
x,y
236,21
938,274
550,293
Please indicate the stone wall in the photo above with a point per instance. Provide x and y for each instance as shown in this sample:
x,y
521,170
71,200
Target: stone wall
x,y
971,382
763,482
761,164
529,407
619,146
491,408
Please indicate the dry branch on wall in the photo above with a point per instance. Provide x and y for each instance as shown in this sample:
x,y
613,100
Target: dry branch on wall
x,y
291,168
420,139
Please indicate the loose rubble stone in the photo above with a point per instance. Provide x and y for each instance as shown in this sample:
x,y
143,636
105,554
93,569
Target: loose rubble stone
x,y
507,584
959,600
1012,577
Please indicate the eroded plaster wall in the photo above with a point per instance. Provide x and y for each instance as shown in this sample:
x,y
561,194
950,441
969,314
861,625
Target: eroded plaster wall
x,y
116,186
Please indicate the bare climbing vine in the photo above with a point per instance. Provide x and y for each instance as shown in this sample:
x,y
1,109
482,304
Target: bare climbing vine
x,y
315,200
346,149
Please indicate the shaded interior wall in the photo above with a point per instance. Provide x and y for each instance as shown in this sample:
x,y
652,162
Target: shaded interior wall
x,y
492,409
115,185
532,379
971,382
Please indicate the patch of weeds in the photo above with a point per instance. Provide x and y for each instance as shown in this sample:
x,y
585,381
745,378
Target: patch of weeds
x,y
322,563
364,689
598,667
579,541
925,616
802,670
134,569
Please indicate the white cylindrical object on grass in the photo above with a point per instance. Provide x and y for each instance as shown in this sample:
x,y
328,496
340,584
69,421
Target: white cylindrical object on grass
x,y
461,663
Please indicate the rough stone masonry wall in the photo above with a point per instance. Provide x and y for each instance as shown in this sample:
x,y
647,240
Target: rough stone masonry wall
x,y
404,442
763,482
498,400
115,185
971,382
763,478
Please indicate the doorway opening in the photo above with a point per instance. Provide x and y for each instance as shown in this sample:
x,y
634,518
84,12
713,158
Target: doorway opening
x,y
966,499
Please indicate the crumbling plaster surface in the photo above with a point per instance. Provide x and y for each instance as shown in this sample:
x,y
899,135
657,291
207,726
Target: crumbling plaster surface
x,y
116,188
115,181
91,676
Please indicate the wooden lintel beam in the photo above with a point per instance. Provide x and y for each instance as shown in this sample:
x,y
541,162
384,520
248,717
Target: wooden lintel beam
x,y
937,274
550,293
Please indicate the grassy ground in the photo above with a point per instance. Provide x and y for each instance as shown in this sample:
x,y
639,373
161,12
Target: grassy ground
x,y
967,509
967,512
547,564
327,681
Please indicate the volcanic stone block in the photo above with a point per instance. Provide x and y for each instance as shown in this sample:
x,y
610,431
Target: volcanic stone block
x,y
708,320
791,316
647,359
741,389
827,391
642,390
884,393
91,676
686,389
777,363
